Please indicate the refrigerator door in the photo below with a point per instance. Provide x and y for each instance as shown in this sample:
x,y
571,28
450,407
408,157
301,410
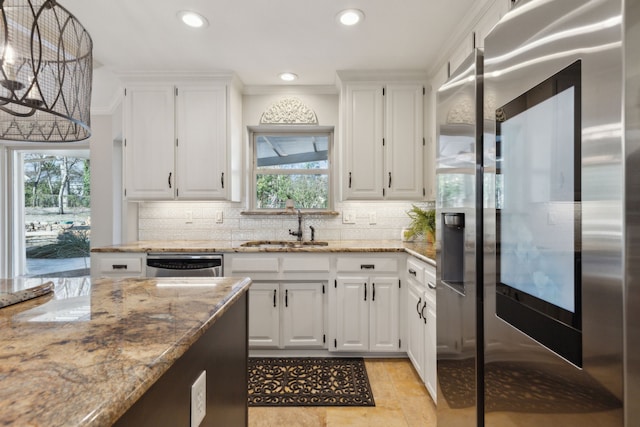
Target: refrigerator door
x,y
459,243
553,222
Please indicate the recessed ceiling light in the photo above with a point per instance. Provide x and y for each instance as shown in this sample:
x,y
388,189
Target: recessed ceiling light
x,y
288,77
193,19
350,17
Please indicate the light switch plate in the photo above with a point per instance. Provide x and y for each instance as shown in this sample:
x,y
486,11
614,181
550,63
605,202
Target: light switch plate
x,y
199,399
219,218
349,216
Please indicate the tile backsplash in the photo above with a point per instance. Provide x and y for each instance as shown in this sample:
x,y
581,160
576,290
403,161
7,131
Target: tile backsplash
x,y
201,221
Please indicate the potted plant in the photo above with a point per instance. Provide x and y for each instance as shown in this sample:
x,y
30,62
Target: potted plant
x,y
423,224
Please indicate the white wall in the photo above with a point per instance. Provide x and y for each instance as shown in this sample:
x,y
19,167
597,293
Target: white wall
x,y
102,183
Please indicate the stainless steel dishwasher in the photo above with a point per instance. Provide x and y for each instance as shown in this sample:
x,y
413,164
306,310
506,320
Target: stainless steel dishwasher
x,y
185,265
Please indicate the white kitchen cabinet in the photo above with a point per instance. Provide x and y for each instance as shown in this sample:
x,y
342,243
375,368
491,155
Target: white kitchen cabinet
x,y
383,141
302,315
415,326
149,138
287,300
421,321
176,136
286,315
264,315
201,151
118,264
366,305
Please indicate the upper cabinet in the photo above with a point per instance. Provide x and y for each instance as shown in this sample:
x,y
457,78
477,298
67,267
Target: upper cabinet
x,y
177,137
382,140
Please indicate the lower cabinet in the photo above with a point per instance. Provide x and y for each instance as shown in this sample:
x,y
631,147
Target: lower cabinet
x,y
367,314
286,315
118,264
420,309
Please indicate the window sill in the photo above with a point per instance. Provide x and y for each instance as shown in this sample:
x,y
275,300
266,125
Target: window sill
x,y
290,212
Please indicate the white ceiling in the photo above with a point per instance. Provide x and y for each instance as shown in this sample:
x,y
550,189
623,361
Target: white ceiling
x,y
258,39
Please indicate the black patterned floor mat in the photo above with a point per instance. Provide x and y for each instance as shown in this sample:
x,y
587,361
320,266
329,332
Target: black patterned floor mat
x,y
309,382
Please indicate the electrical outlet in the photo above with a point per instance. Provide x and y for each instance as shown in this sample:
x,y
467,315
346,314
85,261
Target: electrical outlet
x,y
372,218
199,399
348,217
219,219
188,215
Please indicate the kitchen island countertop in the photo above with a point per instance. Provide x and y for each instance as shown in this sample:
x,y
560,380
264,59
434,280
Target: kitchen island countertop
x,y
82,355
422,250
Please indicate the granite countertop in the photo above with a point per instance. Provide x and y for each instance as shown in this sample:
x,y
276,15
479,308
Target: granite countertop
x,y
83,354
422,250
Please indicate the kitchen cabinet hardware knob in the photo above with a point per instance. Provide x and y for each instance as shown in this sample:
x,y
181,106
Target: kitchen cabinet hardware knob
x,y
367,266
275,294
431,285
169,180
422,312
373,293
418,307
365,291
389,179
222,179
412,272
119,266
286,298
349,179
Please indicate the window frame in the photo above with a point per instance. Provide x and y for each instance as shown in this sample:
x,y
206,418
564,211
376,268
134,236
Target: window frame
x,y
289,130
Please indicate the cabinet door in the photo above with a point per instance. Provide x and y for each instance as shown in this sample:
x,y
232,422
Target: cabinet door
x,y
352,314
384,325
362,173
149,142
430,374
264,317
415,326
302,317
201,159
404,134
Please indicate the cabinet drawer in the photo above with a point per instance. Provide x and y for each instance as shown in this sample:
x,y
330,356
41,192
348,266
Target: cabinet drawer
x,y
373,265
121,265
430,284
310,264
254,265
415,270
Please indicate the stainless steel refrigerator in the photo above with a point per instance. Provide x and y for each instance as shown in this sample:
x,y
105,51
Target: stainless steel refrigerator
x,y
538,240
459,235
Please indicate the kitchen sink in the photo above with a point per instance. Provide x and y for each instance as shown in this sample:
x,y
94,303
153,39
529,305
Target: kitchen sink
x,y
282,244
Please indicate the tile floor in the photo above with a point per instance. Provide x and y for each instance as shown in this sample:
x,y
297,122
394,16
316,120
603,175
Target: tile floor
x,y
401,401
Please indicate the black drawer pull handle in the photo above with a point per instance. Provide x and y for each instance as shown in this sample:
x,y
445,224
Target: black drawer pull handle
x,y
367,266
119,266
422,313
169,180
222,179
365,291
412,272
431,285
389,179
286,298
275,293
349,179
418,307
373,294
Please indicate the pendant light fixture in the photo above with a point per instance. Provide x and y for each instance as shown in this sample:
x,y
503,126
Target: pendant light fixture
x,y
45,73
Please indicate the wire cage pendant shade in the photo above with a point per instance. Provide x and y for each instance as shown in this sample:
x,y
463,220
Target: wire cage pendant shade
x,y
45,73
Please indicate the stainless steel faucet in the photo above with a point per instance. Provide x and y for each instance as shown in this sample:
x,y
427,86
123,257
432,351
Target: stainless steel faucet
x,y
298,233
